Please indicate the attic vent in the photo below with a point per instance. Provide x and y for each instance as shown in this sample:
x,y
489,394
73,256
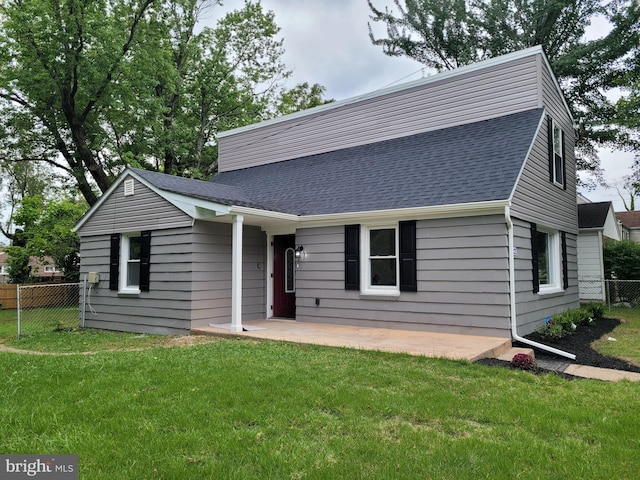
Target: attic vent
x,y
128,187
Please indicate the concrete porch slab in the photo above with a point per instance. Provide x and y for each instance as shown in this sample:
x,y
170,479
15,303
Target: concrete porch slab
x,y
429,344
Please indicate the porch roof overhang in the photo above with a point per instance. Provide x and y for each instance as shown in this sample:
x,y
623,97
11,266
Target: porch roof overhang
x,y
286,222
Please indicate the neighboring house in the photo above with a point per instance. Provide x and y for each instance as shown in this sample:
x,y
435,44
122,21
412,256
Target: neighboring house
x,y
630,225
447,204
41,270
597,224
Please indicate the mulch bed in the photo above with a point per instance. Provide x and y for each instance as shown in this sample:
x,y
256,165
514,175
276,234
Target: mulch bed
x,y
579,344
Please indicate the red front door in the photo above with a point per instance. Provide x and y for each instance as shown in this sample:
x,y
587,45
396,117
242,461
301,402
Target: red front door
x,y
284,276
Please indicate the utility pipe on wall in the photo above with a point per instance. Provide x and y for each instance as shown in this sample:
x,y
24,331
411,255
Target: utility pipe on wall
x,y
512,296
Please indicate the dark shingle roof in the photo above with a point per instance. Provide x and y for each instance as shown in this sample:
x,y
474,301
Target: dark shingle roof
x,y
593,215
469,163
215,192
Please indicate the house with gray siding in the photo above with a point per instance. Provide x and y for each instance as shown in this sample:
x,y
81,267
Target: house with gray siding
x,y
447,204
596,225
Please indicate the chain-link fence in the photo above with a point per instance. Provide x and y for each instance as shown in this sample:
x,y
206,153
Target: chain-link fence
x,y
623,293
592,289
47,308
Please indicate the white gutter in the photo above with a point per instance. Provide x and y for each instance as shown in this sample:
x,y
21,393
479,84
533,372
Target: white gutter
x,y
512,296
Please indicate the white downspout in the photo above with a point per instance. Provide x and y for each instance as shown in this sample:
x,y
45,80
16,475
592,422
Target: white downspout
x,y
512,296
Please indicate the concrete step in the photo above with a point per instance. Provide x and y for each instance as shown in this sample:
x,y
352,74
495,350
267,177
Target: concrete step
x,y
513,351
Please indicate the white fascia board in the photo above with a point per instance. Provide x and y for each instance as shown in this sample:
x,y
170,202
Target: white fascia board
x,y
195,207
414,213
255,212
491,62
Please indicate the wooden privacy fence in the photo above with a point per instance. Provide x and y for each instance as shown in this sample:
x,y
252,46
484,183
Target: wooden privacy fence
x,y
43,296
9,297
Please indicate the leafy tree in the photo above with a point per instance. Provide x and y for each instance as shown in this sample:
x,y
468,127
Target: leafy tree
x,y
46,230
90,86
622,260
445,34
18,264
301,97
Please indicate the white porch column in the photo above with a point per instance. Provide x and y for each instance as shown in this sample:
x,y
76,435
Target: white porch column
x,y
236,274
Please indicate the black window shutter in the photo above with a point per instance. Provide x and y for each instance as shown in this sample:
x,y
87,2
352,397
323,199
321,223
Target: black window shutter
x,y
565,266
352,257
550,146
534,258
408,276
114,261
564,166
145,260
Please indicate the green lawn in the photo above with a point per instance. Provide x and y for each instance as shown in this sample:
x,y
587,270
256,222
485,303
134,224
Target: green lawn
x,y
237,409
627,335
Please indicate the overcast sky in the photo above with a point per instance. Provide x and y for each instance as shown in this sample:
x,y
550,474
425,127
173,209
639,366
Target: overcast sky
x,y
327,42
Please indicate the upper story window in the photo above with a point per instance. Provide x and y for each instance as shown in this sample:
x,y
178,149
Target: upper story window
x,y
557,162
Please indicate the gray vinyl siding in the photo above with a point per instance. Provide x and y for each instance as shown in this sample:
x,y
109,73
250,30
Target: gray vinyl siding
x,y
536,198
474,96
463,282
145,210
190,281
212,243
165,308
590,266
533,308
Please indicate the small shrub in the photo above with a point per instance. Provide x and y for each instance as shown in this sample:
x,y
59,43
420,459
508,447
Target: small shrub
x,y
551,329
595,309
564,323
523,361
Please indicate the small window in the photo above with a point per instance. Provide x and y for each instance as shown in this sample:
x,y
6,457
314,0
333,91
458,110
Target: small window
x,y
556,154
130,262
49,269
380,249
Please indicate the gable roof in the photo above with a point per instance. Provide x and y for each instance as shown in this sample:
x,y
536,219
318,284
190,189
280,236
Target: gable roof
x,y
477,162
213,192
593,215
629,219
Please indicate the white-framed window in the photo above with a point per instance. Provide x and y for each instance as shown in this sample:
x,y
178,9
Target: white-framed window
x,y
130,249
558,158
549,260
380,268
49,269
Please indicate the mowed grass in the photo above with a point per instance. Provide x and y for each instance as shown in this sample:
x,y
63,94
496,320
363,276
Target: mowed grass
x,y
240,409
236,409
627,335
